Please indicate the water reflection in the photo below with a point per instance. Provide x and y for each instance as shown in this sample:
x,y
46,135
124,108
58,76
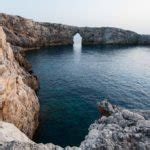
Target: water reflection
x,y
77,49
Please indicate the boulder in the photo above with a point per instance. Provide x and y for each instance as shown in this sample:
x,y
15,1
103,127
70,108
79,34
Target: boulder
x,y
10,133
121,130
105,108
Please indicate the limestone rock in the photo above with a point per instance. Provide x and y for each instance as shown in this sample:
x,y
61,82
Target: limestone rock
x,y
29,78
116,131
18,102
13,139
120,130
29,34
131,115
105,108
2,69
8,132
30,146
22,61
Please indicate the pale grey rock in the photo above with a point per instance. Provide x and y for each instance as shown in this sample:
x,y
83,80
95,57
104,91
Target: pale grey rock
x,y
120,130
11,138
14,145
8,132
131,116
143,123
144,113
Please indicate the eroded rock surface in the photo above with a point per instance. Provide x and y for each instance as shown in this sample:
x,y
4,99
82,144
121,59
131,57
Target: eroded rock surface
x,y
29,34
122,129
9,133
18,102
118,129
11,138
29,146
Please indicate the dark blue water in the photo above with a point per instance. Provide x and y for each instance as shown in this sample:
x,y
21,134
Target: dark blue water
x,y
73,80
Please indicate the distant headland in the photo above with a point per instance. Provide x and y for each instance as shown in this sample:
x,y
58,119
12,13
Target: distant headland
x,y
117,128
29,34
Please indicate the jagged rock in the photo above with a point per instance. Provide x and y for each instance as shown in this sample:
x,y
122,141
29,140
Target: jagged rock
x,y
13,139
120,130
9,133
2,88
29,34
131,116
22,61
2,69
1,55
111,132
18,102
105,108
30,146
145,114
30,79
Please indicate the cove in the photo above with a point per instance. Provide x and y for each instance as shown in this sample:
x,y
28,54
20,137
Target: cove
x,y
74,79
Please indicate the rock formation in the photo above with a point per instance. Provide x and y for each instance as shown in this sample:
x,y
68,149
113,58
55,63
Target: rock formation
x,y
29,34
10,133
122,129
13,139
18,102
119,129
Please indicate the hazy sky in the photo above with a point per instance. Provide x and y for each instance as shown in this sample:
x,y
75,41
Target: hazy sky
x,y
127,14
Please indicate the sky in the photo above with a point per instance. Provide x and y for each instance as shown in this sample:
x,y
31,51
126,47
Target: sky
x,y
127,14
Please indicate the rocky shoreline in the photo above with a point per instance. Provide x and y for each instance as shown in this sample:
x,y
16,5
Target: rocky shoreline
x,y
28,34
18,102
117,128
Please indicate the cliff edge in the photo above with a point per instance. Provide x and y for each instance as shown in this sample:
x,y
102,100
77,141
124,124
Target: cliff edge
x,y
29,34
119,129
18,102
116,129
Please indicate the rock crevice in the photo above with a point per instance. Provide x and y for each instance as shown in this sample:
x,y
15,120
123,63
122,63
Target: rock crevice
x,y
116,129
18,102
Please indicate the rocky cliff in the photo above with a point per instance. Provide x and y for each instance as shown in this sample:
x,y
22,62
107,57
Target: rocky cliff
x,y
19,106
30,34
119,129
116,129
13,139
18,101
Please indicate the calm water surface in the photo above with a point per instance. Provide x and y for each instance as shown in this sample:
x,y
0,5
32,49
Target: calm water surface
x,y
73,80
